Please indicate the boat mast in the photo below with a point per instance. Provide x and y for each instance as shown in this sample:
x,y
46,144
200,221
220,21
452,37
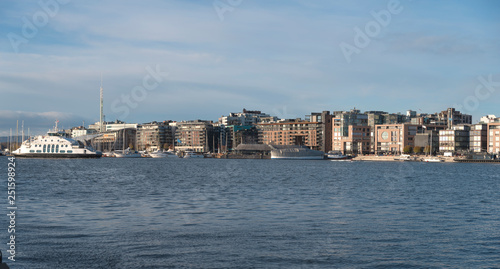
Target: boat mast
x,y
101,113
10,141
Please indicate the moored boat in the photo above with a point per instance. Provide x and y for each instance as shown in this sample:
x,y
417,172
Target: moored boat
x,y
192,154
128,153
163,154
337,156
433,160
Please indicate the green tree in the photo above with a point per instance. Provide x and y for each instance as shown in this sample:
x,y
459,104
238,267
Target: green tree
x,y
417,150
407,149
427,149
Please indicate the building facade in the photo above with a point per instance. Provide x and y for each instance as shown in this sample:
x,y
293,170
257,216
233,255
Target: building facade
x,y
456,139
326,121
393,138
154,136
194,135
494,138
478,138
292,132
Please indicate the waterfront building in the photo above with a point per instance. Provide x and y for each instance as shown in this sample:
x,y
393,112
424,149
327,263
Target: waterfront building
x,y
154,136
489,119
326,121
246,118
393,138
478,138
428,138
494,138
81,131
291,132
241,134
116,140
341,123
194,135
455,139
358,140
453,117
113,126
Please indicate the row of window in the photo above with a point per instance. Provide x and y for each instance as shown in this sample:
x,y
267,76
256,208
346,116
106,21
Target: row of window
x,y
40,151
44,146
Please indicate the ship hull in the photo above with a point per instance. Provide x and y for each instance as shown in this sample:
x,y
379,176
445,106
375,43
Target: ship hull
x,y
57,155
297,158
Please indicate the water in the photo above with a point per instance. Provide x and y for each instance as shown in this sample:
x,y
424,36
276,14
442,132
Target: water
x,y
209,213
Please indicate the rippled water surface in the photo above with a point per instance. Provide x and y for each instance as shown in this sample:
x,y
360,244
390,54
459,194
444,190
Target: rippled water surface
x,y
209,213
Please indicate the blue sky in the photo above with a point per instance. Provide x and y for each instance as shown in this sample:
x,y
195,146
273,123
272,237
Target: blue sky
x,y
281,57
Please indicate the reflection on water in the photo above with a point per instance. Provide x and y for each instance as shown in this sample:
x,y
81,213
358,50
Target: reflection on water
x,y
207,213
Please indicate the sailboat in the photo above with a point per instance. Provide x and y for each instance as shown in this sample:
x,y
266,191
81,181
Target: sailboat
x,y
126,153
432,159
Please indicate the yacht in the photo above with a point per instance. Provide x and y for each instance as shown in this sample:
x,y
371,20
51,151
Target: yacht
x,y
55,145
337,155
192,154
163,154
128,153
406,158
433,160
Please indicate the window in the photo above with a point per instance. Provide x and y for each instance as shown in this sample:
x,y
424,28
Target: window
x,y
38,151
70,151
57,148
62,151
32,150
44,148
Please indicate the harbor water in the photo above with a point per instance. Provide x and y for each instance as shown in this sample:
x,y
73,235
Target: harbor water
x,y
211,213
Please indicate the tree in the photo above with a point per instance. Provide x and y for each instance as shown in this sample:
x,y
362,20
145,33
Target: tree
x,y
417,150
407,149
427,149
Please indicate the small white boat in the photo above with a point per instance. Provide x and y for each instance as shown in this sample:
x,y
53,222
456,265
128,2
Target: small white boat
x,y
127,154
406,158
433,160
163,154
337,156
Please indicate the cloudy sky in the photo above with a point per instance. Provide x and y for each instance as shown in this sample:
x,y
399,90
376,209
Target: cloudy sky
x,y
184,60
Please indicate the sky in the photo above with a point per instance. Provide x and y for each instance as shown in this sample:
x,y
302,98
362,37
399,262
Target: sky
x,y
186,60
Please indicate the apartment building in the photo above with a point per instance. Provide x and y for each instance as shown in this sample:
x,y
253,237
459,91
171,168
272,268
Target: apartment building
x,y
494,138
292,132
393,138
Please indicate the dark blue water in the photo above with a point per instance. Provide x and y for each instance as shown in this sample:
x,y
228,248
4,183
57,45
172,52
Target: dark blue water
x,y
209,213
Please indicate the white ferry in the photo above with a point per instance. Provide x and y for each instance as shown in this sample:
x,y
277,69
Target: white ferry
x,y
55,145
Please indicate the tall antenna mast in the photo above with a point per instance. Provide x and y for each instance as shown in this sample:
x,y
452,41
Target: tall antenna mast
x,y
101,115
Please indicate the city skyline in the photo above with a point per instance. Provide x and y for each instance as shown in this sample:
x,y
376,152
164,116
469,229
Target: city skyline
x,y
196,60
